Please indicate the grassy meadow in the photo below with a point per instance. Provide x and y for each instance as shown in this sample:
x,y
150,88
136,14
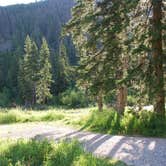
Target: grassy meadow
x,y
19,115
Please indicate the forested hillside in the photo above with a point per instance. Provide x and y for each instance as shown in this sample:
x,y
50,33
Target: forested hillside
x,y
37,20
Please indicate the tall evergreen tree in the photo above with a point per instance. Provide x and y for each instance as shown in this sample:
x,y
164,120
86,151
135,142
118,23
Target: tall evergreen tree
x,y
96,28
35,69
25,73
64,75
147,27
158,57
44,74
28,72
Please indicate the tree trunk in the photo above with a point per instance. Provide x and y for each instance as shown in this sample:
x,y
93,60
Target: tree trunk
x,y
34,95
158,57
100,102
121,99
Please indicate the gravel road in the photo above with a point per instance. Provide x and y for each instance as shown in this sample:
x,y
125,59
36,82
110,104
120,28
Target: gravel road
x,y
135,151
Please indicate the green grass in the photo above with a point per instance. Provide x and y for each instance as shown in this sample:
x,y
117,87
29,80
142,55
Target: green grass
x,y
143,123
36,153
20,116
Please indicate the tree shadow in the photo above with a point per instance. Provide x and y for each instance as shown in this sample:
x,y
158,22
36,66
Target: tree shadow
x,y
135,151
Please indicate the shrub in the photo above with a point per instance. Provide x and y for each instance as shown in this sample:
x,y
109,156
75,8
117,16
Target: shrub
x,y
24,153
104,121
73,98
150,124
131,100
64,154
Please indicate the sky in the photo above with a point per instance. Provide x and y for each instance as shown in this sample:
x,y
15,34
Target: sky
x,y
12,2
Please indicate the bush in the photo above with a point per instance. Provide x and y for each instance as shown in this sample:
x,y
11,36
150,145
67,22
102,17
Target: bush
x,y
73,98
34,153
104,121
132,100
143,123
24,152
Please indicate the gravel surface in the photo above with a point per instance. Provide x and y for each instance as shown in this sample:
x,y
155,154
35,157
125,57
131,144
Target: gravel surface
x,y
135,151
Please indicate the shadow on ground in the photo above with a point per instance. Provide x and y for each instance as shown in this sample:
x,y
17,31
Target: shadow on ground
x,y
135,151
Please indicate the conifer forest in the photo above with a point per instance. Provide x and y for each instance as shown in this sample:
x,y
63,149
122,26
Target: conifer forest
x,y
97,65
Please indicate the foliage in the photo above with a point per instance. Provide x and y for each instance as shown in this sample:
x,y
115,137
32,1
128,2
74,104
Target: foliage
x,y
30,19
73,98
99,37
21,153
143,123
28,72
63,74
26,20
35,73
146,49
5,96
132,100
8,77
44,75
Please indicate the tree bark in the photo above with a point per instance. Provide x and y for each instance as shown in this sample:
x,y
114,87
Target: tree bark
x,y
100,102
121,99
34,95
158,57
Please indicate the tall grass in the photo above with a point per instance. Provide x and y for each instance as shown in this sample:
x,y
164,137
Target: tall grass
x,y
143,123
18,116
36,153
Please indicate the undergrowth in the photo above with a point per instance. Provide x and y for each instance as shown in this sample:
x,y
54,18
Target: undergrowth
x,y
144,123
36,153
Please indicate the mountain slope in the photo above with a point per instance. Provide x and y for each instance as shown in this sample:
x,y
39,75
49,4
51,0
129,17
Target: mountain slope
x,y
36,19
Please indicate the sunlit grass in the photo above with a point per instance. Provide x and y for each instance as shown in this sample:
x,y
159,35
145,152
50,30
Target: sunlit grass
x,y
46,153
19,115
22,116
144,123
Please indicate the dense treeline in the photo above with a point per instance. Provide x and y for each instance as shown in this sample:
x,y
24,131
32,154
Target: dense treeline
x,y
40,19
31,79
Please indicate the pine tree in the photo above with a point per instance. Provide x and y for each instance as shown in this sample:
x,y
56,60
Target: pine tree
x,y
28,72
35,68
158,57
25,73
147,27
96,28
63,71
44,75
